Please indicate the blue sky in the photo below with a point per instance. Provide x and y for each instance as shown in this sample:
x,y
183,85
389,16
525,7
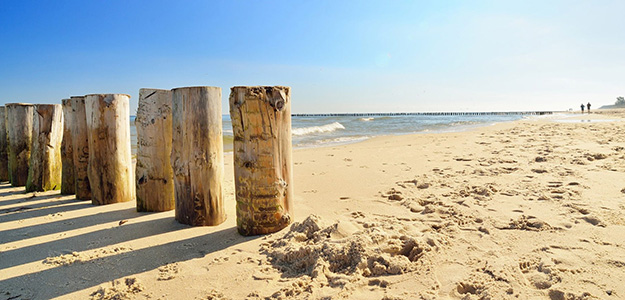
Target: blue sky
x,y
337,56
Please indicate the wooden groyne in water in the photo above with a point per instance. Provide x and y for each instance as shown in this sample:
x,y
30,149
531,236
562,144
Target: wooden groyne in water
x,y
495,113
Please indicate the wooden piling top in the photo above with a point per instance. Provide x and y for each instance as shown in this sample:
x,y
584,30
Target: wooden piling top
x,y
104,95
19,104
260,86
196,87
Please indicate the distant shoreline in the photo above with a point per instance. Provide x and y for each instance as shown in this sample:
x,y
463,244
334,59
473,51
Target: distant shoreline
x,y
450,113
425,114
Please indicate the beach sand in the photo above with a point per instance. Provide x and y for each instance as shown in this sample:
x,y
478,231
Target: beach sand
x,y
531,209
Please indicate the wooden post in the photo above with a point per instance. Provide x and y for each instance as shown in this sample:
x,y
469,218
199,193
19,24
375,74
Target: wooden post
x,y
110,162
154,175
261,122
20,130
4,156
80,142
68,182
45,169
197,155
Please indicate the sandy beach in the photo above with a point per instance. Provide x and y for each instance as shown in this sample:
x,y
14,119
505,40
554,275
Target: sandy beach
x,y
531,209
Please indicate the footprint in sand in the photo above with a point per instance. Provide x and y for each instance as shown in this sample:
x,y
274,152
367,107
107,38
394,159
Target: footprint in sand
x,y
540,274
126,288
357,214
216,295
168,271
529,223
594,221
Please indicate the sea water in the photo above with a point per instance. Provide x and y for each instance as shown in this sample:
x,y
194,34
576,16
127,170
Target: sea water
x,y
318,131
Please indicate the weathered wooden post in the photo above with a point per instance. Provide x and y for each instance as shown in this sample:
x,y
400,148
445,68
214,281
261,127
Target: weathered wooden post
x,y
44,172
110,162
154,175
68,182
261,122
4,155
197,155
80,142
20,130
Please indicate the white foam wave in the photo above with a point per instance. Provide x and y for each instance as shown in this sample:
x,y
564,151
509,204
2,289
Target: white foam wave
x,y
332,142
366,119
317,129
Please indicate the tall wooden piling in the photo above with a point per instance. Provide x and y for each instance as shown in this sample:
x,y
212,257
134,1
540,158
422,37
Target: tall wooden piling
x,y
68,181
197,155
110,162
154,175
261,121
45,168
4,155
20,130
80,142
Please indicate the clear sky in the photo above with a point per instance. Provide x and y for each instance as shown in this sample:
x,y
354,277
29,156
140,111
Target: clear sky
x,y
337,56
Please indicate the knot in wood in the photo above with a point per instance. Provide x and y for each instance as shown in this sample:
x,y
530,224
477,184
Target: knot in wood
x,y
108,100
277,99
285,220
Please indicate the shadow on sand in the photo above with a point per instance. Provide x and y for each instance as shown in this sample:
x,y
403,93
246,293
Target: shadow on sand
x,y
63,280
58,281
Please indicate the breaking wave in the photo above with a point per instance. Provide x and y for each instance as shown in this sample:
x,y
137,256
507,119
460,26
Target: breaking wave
x,y
317,129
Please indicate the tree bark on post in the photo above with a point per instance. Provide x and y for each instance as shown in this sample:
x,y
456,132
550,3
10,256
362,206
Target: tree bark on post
x,y
45,169
4,145
68,182
20,130
154,174
110,162
80,143
197,155
261,122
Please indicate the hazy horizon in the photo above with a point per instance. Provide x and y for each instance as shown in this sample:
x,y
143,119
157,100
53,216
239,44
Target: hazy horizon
x,y
337,56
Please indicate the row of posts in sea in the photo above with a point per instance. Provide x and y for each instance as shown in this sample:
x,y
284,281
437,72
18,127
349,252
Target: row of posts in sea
x,y
82,147
494,113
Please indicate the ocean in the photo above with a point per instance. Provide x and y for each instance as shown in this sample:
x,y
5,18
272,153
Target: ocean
x,y
319,131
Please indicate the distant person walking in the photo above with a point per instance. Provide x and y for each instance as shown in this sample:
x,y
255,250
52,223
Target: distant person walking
x,y
588,107
582,106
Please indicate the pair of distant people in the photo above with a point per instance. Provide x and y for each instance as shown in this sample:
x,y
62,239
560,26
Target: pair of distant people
x,y
583,106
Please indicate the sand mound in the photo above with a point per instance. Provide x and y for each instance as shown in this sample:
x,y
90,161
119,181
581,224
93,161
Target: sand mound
x,y
314,249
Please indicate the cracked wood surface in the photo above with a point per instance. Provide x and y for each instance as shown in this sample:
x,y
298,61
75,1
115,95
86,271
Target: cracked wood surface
x,y
261,122
80,142
110,162
4,140
68,182
20,130
154,174
197,155
45,168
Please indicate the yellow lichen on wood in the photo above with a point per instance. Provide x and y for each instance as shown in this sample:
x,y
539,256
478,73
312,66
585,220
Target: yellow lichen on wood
x,y
261,122
45,169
